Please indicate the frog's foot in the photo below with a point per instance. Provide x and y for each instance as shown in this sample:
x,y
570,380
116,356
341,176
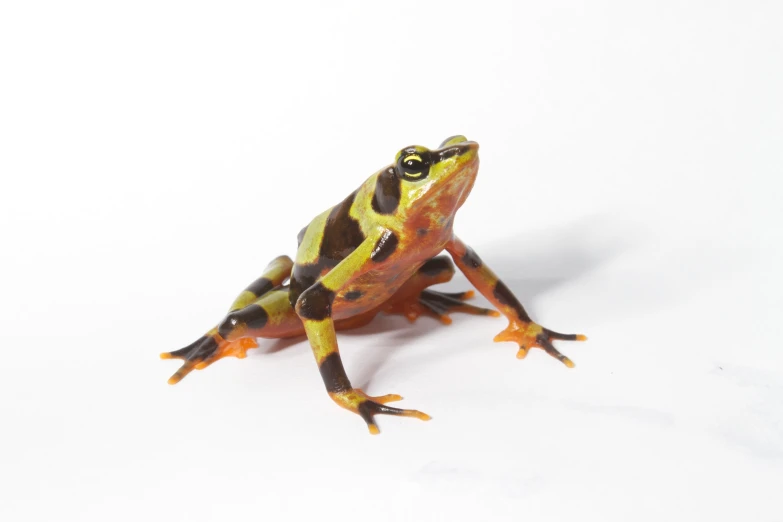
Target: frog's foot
x,y
205,351
367,407
532,335
438,305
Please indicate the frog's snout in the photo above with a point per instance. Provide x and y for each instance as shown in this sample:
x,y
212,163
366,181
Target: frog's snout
x,y
466,149
471,146
468,152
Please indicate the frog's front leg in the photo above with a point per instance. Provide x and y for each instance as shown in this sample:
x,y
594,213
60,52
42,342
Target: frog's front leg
x,y
314,307
521,329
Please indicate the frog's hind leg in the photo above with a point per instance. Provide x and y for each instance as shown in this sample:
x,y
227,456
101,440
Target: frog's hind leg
x,y
261,310
413,299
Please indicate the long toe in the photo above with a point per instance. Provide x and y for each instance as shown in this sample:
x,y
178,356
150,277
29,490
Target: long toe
x,y
453,302
529,335
183,353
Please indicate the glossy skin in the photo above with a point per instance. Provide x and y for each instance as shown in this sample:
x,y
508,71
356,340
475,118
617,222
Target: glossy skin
x,y
375,251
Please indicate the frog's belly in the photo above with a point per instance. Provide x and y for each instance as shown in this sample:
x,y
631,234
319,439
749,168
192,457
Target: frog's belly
x,y
371,290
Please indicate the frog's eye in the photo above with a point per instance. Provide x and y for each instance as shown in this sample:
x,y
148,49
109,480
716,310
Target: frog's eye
x,y
413,167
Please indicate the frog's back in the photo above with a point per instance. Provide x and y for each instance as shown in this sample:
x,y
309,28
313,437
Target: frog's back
x,y
328,239
335,233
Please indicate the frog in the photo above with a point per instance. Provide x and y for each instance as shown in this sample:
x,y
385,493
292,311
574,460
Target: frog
x,y
378,250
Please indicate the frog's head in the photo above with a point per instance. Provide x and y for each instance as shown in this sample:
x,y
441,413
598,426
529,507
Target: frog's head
x,y
433,184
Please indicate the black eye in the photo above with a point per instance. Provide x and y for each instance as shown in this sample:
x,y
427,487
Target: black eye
x,y
413,166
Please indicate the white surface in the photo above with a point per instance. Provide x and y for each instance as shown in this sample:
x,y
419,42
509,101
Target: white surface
x,y
155,156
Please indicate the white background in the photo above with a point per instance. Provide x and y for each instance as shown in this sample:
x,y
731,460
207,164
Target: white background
x,y
155,156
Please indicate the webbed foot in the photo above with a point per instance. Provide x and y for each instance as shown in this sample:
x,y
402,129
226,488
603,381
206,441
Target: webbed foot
x,y
532,335
367,407
438,305
206,351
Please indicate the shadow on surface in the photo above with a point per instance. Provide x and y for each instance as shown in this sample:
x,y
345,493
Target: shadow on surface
x,y
533,264
530,264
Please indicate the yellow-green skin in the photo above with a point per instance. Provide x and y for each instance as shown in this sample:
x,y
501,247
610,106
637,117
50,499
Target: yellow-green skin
x,y
374,251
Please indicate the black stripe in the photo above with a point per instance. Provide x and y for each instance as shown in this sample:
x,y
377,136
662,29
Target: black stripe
x,y
205,349
342,233
471,258
253,316
385,247
184,352
302,278
260,286
366,409
353,295
199,350
315,303
436,265
386,198
227,325
333,374
454,150
505,297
